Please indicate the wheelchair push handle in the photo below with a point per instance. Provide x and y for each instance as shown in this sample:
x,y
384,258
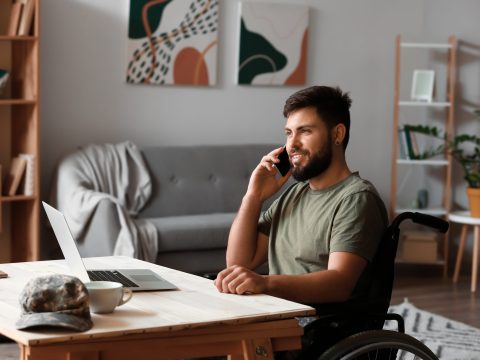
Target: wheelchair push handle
x,y
423,219
431,221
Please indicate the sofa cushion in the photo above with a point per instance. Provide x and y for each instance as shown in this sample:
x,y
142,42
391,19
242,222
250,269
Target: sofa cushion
x,y
190,180
193,232
195,262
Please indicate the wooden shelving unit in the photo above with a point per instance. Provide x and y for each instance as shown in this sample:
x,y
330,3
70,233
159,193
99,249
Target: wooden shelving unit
x,y
445,163
19,133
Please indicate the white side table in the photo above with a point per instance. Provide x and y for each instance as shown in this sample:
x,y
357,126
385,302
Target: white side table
x,y
463,217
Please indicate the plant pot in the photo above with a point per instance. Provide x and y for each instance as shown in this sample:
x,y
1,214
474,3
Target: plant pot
x,y
474,201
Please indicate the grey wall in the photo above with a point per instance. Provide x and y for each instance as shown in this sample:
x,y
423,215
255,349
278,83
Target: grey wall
x,y
84,97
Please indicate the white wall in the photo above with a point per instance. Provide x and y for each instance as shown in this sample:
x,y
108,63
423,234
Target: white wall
x,y
84,97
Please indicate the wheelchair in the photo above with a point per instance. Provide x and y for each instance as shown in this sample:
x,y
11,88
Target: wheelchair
x,y
354,330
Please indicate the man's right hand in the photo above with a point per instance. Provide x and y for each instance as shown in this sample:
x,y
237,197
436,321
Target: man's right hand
x,y
246,246
264,182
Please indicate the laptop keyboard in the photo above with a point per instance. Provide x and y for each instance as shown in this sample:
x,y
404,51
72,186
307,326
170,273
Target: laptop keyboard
x,y
103,275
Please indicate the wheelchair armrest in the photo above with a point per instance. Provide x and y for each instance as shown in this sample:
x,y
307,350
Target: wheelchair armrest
x,y
344,319
398,318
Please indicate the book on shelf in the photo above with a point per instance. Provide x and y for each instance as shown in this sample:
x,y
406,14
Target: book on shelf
x,y
402,145
27,184
416,150
26,18
14,21
17,169
4,75
408,140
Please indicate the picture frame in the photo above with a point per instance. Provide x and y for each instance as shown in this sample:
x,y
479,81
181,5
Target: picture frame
x,y
173,42
422,85
272,44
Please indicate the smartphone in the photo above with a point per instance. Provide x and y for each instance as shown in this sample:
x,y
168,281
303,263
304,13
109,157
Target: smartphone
x,y
284,165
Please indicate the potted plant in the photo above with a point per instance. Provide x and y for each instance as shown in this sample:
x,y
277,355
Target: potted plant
x,y
465,148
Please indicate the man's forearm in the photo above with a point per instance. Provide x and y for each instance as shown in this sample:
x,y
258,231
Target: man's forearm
x,y
312,288
242,240
332,285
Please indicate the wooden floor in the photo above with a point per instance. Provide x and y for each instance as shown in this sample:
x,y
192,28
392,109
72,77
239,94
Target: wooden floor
x,y
439,295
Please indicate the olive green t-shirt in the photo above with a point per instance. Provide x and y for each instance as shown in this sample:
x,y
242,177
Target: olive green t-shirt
x,y
304,225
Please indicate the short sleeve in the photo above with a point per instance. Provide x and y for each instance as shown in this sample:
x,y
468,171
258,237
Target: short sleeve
x,y
265,221
359,223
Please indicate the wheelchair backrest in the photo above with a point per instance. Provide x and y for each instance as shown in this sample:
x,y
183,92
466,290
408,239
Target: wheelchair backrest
x,y
383,263
383,270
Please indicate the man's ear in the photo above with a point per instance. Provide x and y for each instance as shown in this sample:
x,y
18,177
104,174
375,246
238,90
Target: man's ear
x,y
339,132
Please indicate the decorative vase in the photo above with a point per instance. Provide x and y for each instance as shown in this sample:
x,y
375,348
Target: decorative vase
x,y
474,201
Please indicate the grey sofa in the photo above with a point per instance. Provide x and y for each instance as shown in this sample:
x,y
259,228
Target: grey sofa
x,y
197,191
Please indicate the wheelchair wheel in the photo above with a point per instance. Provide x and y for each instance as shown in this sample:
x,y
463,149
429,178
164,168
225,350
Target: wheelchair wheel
x,y
379,345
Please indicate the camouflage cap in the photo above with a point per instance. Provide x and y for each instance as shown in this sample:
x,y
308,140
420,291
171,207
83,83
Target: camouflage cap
x,y
55,300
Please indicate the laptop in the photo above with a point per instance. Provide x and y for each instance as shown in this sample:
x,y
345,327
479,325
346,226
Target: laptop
x,y
133,279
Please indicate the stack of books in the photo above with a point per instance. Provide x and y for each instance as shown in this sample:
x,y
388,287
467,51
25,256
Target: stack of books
x,y
408,146
21,18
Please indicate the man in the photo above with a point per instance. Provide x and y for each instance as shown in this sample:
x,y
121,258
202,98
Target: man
x,y
321,233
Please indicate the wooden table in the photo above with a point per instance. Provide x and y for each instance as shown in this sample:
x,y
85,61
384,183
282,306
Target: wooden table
x,y
194,321
463,217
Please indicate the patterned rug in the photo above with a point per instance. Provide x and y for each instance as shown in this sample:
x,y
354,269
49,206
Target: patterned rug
x,y
448,339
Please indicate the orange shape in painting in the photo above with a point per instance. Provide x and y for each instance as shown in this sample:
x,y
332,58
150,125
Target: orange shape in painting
x,y
190,68
299,74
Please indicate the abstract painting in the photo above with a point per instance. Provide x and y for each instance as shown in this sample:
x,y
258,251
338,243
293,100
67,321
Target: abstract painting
x,y
272,44
172,42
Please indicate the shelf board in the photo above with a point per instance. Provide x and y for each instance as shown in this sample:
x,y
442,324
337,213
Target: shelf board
x,y
17,198
18,38
425,45
403,261
432,162
429,211
9,102
425,104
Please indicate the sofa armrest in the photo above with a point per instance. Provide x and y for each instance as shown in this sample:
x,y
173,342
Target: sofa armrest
x,y
101,232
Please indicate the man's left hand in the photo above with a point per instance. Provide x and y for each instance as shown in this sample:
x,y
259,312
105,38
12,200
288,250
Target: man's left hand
x,y
240,280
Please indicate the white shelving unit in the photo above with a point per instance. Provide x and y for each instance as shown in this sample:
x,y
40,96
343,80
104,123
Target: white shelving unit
x,y
424,104
434,162
443,164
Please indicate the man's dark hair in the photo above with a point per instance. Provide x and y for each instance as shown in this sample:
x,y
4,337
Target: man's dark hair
x,y
331,104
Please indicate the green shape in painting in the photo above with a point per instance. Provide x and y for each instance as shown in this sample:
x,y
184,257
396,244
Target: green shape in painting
x,y
257,56
136,29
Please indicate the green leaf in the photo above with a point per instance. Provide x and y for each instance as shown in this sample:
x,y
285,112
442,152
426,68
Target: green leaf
x,y
424,129
470,161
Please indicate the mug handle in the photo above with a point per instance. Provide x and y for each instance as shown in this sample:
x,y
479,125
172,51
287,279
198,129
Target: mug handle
x,y
129,294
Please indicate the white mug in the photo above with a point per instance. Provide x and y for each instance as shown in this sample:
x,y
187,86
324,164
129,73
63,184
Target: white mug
x,y
105,296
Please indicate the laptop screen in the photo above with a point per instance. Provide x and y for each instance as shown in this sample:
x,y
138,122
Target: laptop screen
x,y
66,242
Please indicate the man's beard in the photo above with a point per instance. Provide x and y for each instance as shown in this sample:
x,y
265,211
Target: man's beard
x,y
318,163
